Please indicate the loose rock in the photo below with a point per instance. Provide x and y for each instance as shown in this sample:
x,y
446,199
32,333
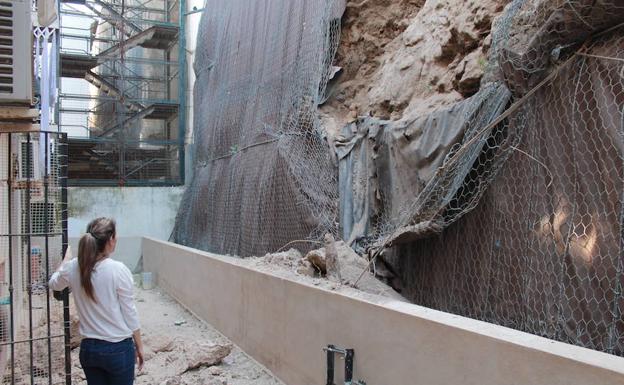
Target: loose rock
x,y
197,356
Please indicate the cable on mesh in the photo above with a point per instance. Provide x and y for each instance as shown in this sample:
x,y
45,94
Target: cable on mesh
x,y
240,150
550,175
576,12
298,241
601,57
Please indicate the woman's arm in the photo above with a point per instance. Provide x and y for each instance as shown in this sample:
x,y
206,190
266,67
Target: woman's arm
x,y
125,293
139,347
59,280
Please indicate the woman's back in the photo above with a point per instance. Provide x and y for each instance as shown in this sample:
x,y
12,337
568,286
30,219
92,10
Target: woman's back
x,y
113,317
103,292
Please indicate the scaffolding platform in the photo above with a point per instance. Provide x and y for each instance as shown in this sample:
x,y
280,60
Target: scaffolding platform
x,y
77,65
162,111
155,37
126,123
100,159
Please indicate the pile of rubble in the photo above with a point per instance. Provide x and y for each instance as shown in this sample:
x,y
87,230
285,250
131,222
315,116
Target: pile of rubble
x,y
333,266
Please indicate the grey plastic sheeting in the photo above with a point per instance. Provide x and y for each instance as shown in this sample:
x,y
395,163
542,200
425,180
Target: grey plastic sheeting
x,y
542,251
385,166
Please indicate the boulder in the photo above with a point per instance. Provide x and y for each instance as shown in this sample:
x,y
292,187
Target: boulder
x,y
317,259
160,343
202,355
343,265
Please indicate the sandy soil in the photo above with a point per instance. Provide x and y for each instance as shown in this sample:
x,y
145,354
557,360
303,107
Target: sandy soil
x,y
174,332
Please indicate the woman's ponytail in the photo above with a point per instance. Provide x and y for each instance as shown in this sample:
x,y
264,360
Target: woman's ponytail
x,y
90,250
87,258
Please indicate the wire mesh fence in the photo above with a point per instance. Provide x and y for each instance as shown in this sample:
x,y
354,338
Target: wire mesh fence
x,y
519,221
33,236
526,220
263,175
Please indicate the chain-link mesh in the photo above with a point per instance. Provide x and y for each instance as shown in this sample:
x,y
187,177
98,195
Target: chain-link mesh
x,y
542,251
32,328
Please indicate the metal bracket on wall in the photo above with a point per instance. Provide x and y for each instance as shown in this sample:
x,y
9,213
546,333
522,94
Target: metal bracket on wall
x,y
195,10
348,369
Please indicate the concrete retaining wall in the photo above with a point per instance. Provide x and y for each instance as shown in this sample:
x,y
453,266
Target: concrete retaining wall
x,y
285,324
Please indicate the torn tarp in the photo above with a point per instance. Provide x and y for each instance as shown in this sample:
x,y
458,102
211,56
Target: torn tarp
x,y
359,199
402,175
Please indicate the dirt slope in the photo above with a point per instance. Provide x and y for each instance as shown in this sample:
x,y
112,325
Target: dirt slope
x,y
405,58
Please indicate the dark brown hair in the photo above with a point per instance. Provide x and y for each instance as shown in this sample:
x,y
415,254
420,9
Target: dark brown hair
x,y
90,249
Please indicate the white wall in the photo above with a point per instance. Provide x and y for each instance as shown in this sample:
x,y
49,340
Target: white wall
x,y
138,211
192,25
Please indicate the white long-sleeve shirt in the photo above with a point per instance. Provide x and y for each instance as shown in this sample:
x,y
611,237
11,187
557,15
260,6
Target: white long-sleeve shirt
x,y
113,317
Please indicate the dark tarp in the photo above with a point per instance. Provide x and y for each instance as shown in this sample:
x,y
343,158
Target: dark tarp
x,y
391,174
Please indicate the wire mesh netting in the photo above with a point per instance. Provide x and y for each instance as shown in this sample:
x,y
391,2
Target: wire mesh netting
x,y
506,207
525,222
262,173
32,327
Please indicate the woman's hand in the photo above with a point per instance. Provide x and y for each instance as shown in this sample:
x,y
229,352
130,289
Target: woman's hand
x,y
139,358
68,255
138,343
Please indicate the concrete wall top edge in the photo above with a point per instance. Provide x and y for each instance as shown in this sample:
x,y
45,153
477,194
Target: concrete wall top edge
x,y
582,356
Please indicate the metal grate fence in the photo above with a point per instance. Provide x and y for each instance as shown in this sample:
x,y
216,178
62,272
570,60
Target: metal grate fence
x,y
34,334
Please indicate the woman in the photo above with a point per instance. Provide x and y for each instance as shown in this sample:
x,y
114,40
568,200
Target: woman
x,y
103,293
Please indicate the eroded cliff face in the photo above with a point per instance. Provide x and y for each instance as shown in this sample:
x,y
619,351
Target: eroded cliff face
x,y
406,58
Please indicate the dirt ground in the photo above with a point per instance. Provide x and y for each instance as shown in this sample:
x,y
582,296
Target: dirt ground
x,y
173,339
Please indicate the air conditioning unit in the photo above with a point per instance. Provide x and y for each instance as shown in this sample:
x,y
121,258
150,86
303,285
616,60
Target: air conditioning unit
x,y
16,47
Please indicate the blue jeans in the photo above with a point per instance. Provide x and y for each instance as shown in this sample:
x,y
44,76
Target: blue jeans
x,y
108,363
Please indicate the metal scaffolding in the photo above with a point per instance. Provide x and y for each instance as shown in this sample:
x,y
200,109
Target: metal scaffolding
x,y
123,90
